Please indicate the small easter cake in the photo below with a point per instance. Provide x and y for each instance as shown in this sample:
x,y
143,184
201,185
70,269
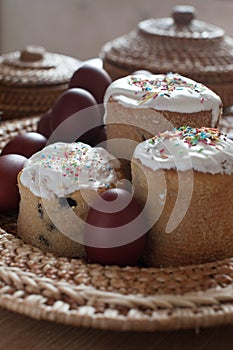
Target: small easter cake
x,y
57,187
184,179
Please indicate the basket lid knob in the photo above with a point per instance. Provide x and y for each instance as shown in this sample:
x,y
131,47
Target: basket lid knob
x,y
183,14
32,54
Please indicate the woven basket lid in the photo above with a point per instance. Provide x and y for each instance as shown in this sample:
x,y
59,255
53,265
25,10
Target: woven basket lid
x,y
32,79
180,43
34,66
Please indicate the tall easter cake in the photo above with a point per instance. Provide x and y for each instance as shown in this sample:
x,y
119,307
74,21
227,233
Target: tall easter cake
x,y
139,106
184,178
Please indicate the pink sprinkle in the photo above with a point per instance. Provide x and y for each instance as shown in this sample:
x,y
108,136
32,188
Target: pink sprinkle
x,y
202,100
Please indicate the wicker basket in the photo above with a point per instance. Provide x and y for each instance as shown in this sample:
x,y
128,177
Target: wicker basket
x,y
178,44
71,291
31,81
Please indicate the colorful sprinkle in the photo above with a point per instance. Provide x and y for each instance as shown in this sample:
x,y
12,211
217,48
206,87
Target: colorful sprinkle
x,y
191,136
164,86
76,159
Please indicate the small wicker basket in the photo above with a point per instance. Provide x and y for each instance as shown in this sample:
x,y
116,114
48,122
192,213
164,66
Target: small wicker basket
x,y
31,80
180,44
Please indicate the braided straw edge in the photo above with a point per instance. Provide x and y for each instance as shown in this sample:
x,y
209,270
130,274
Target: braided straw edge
x,y
26,293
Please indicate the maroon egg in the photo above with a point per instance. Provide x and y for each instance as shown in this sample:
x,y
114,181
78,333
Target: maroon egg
x,y
43,126
76,115
93,79
70,102
25,144
142,72
100,136
111,235
10,166
94,137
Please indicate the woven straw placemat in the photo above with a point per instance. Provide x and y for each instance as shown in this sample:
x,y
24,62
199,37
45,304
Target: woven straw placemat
x,y
71,291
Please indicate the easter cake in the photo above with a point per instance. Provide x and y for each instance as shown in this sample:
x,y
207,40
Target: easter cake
x,y
139,106
184,179
57,186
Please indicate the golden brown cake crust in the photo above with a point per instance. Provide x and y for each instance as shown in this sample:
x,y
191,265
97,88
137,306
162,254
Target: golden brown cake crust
x,y
35,226
140,124
40,220
205,232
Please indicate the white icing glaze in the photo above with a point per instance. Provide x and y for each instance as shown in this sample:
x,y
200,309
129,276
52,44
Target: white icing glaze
x,y
204,150
62,168
168,92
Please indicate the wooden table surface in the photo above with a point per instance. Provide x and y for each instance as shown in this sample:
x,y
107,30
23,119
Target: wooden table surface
x,y
19,332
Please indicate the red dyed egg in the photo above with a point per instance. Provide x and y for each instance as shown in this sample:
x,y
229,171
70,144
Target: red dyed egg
x,y
70,102
76,116
43,126
25,144
93,79
94,137
115,229
10,166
